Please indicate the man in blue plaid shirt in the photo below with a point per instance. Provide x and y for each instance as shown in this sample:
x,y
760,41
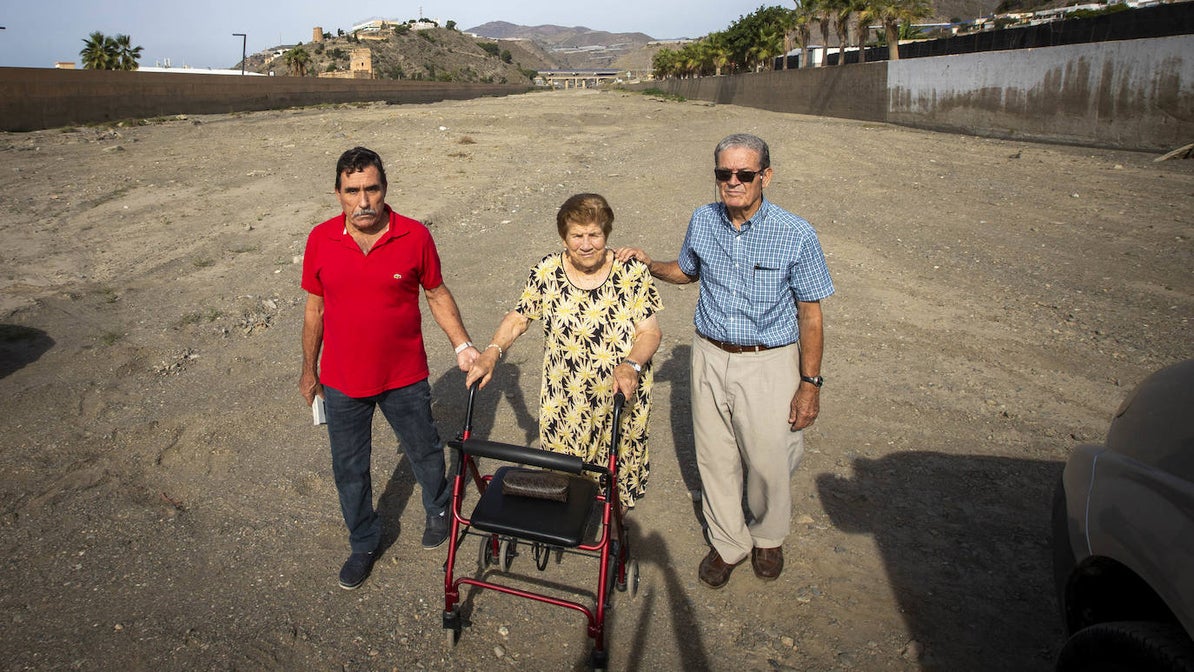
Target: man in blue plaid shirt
x,y
756,356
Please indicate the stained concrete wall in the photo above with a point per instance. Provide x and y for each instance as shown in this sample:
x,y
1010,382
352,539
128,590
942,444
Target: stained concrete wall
x,y
853,92
1131,94
35,98
1136,94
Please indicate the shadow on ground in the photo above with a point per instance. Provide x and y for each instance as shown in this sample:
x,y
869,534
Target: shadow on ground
x,y
965,542
675,613
20,347
677,371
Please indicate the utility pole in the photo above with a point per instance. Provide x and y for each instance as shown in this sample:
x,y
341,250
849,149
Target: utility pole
x,y
244,40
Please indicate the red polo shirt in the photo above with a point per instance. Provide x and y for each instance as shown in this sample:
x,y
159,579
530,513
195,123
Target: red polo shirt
x,y
372,325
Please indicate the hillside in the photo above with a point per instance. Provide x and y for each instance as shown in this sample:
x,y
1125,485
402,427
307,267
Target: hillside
x,y
950,10
528,53
572,47
437,54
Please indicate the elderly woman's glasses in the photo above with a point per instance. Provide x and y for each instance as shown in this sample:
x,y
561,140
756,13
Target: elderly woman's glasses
x,y
744,176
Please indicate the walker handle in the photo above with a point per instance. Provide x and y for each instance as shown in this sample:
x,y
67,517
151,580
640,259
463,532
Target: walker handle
x,y
508,452
468,414
615,432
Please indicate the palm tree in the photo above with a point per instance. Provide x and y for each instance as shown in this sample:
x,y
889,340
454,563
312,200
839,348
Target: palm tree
x,y
663,63
864,17
690,59
718,51
98,52
892,13
802,19
824,12
705,57
787,24
101,52
844,12
767,43
127,55
296,60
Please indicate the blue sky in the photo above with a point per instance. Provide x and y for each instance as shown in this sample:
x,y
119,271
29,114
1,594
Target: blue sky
x,y
199,33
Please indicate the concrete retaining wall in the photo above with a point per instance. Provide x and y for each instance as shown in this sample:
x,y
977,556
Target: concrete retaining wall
x,y
1131,94
853,92
35,98
1136,94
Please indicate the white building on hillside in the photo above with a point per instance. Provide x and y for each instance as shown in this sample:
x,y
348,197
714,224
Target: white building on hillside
x,y
379,25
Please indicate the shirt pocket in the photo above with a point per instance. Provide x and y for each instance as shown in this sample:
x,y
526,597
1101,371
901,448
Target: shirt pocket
x,y
768,282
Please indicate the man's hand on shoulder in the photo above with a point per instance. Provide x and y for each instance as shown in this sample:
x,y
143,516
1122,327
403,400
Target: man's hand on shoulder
x,y
624,254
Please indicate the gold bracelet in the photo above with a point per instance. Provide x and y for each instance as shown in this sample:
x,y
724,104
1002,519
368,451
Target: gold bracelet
x,y
495,345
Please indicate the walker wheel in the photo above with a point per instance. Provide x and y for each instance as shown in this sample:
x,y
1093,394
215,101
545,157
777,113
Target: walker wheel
x,y
506,553
622,581
485,555
541,554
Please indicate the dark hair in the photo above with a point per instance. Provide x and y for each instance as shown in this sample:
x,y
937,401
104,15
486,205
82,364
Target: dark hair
x,y
585,209
746,141
356,160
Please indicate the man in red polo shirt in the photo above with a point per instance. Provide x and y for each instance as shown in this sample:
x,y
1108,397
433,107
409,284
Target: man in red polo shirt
x,y
363,271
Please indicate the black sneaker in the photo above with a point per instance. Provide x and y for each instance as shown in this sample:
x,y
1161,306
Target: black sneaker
x,y
436,532
355,570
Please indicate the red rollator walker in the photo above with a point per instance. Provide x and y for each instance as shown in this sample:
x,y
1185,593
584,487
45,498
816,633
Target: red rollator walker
x,y
552,508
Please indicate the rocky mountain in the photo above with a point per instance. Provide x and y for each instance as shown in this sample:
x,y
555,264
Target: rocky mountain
x,y
558,36
964,10
436,54
570,47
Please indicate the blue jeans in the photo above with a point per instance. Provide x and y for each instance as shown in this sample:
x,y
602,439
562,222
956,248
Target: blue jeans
x,y
350,432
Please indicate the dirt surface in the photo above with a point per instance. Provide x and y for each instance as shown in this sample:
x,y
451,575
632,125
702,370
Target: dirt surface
x,y
167,504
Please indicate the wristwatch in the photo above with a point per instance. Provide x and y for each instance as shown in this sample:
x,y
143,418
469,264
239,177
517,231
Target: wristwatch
x,y
638,368
815,380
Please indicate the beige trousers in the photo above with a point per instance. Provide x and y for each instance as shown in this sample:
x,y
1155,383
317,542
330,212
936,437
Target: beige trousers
x,y
740,406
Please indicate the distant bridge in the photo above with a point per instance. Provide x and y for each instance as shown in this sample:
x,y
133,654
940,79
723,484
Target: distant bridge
x,y
579,79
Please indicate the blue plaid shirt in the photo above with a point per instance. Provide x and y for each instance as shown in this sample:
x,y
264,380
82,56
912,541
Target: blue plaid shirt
x,y
752,278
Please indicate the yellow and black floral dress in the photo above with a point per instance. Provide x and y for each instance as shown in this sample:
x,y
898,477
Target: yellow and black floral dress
x,y
587,332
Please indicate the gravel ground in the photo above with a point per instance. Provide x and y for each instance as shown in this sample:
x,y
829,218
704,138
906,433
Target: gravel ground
x,y
165,502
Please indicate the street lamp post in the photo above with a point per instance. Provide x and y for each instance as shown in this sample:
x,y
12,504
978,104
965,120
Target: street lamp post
x,y
244,39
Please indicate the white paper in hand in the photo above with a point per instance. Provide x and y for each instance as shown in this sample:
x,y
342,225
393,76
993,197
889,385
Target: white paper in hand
x,y
317,412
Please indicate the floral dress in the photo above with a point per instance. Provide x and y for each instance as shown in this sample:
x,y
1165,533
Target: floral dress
x,y
588,332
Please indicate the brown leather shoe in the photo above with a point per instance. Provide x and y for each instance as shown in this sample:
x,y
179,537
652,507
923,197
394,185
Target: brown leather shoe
x,y
714,571
768,562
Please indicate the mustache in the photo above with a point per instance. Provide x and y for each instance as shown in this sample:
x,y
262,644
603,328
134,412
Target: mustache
x,y
365,212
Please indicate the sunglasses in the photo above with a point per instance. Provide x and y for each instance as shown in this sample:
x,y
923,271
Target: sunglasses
x,y
744,176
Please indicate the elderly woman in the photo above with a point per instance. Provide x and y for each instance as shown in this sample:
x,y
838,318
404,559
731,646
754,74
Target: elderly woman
x,y
600,332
